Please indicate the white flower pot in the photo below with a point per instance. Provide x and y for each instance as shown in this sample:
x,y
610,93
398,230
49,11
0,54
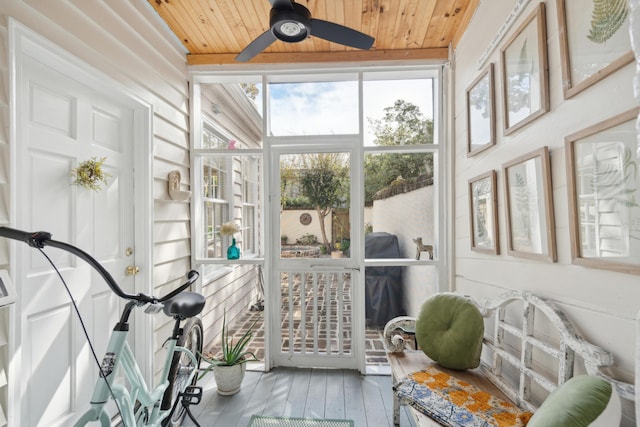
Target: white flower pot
x,y
228,378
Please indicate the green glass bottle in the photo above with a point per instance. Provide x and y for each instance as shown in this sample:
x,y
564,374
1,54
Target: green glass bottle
x,y
233,252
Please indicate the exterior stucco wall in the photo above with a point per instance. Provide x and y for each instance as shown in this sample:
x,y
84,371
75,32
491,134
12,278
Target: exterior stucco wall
x,y
410,215
292,227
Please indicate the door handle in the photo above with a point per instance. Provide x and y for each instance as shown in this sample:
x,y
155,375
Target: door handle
x,y
131,270
334,267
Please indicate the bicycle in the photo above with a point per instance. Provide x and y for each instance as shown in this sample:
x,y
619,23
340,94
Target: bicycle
x,y
167,403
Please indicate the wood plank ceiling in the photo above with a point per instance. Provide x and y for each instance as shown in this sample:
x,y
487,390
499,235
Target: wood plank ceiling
x,y
215,31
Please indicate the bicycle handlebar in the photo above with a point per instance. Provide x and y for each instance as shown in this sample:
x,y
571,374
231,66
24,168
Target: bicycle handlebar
x,y
40,239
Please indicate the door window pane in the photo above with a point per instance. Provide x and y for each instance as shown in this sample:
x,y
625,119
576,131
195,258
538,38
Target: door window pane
x,y
314,199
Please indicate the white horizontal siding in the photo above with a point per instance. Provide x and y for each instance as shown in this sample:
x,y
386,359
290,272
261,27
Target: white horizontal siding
x,y
126,41
233,292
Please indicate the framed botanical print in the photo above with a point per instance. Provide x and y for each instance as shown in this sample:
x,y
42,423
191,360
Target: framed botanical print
x,y
604,194
594,41
525,72
529,206
481,113
483,213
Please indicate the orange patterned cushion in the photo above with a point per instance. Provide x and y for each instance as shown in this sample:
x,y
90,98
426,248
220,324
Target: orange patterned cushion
x,y
455,403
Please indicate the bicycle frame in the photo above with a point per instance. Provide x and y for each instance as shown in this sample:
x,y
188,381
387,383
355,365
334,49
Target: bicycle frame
x,y
118,355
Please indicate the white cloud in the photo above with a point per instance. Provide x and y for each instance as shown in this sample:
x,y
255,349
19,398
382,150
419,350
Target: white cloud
x,y
332,108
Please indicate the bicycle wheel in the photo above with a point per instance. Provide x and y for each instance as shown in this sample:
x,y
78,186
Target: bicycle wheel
x,y
181,367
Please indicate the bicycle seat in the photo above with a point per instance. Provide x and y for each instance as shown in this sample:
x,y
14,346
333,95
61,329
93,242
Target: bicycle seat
x,y
184,305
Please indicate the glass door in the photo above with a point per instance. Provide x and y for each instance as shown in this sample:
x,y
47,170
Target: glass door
x,y
316,270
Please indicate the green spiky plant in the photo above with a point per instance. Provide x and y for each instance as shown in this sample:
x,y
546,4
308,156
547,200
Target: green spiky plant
x,y
606,19
233,353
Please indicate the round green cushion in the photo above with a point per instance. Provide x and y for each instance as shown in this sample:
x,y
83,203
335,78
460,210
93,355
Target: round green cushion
x,y
449,330
582,401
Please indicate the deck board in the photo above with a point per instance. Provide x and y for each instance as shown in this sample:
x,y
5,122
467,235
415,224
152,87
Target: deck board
x,y
317,395
277,402
298,392
309,393
354,400
374,393
334,406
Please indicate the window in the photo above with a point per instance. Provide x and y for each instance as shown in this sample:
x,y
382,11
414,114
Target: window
x,y
390,116
301,106
229,182
249,202
216,210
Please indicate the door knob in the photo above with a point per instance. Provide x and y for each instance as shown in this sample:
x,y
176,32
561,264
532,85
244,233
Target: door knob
x,y
131,270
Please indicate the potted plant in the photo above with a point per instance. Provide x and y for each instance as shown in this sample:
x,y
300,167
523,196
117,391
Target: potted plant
x,y
337,253
229,368
344,247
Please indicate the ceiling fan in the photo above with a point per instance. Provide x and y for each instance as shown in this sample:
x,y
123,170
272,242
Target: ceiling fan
x,y
291,22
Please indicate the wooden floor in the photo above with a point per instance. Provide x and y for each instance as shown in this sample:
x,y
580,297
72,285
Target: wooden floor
x,y
309,393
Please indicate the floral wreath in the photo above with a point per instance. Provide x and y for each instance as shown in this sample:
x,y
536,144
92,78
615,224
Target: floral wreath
x,y
89,174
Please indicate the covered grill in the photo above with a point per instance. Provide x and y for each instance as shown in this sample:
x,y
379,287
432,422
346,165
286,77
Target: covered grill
x,y
383,285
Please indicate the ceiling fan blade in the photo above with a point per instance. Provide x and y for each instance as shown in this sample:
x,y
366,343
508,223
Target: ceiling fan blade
x,y
281,4
255,47
340,34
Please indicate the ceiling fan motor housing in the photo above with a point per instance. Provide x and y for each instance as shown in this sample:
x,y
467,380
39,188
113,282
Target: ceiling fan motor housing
x,y
291,25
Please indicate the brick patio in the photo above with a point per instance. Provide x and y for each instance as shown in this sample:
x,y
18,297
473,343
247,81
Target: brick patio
x,y
339,296
375,354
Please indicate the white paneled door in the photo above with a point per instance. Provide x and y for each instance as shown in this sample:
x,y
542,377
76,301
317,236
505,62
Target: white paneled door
x,y
60,124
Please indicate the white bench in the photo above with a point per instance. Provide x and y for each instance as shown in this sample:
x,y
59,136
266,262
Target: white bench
x,y
523,359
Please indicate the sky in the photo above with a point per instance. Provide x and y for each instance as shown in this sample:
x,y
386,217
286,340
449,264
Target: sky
x,y
327,108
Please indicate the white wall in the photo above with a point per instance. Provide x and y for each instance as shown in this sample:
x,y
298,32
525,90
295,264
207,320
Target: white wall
x,y
601,303
410,215
294,229
125,41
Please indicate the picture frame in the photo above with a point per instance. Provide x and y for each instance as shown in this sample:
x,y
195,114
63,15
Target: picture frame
x,y
603,184
590,52
529,206
525,74
480,98
483,213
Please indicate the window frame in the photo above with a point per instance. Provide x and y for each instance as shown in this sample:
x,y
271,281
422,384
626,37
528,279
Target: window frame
x,y
267,74
216,266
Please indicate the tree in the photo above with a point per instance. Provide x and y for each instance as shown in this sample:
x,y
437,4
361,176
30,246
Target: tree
x,y
289,175
402,124
324,181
